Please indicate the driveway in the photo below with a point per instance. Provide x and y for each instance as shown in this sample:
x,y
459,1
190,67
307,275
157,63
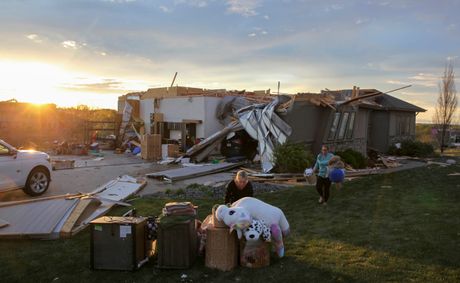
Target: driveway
x,y
90,172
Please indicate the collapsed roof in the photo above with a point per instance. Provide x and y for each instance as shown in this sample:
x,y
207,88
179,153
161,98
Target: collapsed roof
x,y
260,119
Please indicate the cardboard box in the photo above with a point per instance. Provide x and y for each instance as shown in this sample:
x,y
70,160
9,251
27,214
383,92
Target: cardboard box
x,y
158,117
151,147
63,164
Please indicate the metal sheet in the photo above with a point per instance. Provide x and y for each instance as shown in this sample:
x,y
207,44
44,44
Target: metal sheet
x,y
34,219
191,172
119,189
264,125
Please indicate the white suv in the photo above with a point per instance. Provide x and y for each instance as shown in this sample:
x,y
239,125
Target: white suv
x,y
26,169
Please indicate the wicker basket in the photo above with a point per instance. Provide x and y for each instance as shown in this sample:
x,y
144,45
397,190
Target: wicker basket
x,y
221,249
311,179
216,223
254,254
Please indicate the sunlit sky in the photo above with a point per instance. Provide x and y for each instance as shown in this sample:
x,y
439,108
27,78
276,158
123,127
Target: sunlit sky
x,y
91,51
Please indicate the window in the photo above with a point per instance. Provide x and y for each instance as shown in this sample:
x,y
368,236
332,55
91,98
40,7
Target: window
x,y
403,125
351,125
174,126
343,125
334,125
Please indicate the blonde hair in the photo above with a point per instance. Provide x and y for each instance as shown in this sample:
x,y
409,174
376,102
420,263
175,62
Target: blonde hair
x,y
241,175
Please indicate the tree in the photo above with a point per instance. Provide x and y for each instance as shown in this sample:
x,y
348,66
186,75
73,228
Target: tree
x,y
446,104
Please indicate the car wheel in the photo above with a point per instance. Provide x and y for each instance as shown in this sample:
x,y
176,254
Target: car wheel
x,y
37,182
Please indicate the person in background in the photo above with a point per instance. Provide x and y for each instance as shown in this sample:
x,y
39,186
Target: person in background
x,y
238,188
322,182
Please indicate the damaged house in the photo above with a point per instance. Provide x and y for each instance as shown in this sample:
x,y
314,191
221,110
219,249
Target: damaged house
x,y
223,120
363,120
181,113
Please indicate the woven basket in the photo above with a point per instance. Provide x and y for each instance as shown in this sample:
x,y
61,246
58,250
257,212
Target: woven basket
x,y
254,255
216,223
311,179
221,249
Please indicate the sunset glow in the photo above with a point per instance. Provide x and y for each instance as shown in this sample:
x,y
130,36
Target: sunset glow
x,y
90,52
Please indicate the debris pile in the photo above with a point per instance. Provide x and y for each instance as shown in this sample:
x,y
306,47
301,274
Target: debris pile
x,y
65,215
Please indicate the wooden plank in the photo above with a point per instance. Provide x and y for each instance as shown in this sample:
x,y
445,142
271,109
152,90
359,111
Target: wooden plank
x,y
249,170
67,196
82,205
191,121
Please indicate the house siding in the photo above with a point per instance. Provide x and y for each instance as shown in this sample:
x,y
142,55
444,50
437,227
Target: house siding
x,y
146,108
177,109
211,123
303,119
379,130
358,140
402,126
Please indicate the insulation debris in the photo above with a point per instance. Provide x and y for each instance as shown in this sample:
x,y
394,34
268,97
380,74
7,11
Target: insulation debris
x,y
261,123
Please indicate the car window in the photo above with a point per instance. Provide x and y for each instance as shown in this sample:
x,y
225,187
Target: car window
x,y
4,150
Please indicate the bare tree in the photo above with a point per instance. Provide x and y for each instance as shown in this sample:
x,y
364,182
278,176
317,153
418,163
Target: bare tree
x,y
446,104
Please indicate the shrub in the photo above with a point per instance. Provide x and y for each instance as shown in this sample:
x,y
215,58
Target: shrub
x,y
353,158
180,192
412,148
291,158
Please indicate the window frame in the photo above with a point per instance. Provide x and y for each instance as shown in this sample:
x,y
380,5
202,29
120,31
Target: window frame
x,y
343,125
351,122
334,125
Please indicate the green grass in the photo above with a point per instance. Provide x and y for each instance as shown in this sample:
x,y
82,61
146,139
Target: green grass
x,y
399,227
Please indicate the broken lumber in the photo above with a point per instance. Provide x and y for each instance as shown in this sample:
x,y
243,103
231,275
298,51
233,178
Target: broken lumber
x,y
3,223
193,172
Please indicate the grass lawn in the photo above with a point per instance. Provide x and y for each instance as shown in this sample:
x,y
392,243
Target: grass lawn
x,y
398,227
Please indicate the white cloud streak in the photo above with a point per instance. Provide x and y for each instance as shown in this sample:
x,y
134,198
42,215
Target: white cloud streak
x,y
165,9
34,37
428,80
245,8
72,44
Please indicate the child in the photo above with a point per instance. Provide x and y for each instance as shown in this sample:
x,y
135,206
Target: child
x,y
336,171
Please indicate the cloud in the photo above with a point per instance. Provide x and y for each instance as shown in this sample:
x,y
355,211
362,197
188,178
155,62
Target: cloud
x,y
34,37
397,82
360,21
452,27
165,9
245,8
252,34
194,3
334,7
71,44
428,80
119,1
106,85
267,17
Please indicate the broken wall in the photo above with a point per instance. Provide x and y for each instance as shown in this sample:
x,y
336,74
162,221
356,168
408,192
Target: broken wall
x,y
379,130
146,109
304,119
177,109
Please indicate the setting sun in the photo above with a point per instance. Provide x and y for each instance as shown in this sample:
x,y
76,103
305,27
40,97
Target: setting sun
x,y
41,83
